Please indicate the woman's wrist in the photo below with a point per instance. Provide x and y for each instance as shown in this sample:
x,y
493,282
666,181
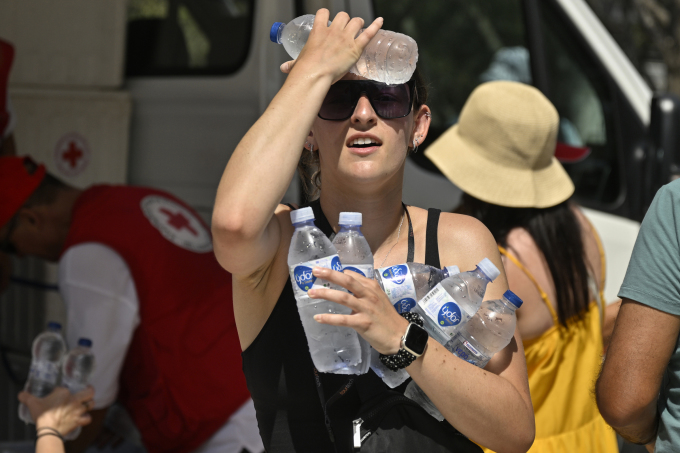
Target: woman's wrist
x,y
45,422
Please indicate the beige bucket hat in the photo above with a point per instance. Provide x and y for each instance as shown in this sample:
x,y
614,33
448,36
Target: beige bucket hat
x,y
502,149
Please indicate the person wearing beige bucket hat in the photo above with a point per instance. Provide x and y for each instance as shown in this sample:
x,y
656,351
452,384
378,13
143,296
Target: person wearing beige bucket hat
x,y
502,149
501,154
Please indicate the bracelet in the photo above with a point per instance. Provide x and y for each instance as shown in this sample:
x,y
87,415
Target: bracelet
x,y
402,358
48,431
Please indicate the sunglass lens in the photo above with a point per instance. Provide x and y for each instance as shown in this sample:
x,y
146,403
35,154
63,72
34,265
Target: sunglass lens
x,y
339,102
391,101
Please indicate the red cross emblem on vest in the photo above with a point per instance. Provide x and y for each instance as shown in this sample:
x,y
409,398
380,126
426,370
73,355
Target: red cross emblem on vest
x,y
177,223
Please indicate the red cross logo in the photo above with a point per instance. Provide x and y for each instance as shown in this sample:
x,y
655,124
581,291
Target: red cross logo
x,y
178,221
73,154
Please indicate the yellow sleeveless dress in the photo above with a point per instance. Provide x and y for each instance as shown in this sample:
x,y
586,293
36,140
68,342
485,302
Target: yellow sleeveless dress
x,y
563,364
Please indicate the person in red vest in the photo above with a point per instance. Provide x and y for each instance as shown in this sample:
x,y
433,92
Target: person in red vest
x,y
138,276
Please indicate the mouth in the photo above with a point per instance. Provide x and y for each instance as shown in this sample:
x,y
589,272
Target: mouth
x,y
363,143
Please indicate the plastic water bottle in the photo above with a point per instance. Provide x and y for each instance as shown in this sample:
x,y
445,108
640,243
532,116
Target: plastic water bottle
x,y
48,350
355,255
75,373
452,302
390,57
331,347
404,284
489,330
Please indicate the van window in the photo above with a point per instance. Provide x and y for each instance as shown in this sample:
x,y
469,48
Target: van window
x,y
187,37
461,43
582,97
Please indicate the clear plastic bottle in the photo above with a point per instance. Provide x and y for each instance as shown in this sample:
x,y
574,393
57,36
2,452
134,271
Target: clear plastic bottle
x,y
489,330
355,255
390,57
404,284
456,299
48,350
76,370
331,347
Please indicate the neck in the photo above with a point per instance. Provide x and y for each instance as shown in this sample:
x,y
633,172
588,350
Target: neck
x,y
61,219
381,210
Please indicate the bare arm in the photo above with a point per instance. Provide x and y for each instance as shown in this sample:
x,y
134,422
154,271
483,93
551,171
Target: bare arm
x,y
460,390
246,233
643,341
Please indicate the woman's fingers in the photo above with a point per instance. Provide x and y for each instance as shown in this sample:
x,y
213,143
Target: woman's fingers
x,y
350,281
340,21
85,395
321,18
287,66
333,295
363,39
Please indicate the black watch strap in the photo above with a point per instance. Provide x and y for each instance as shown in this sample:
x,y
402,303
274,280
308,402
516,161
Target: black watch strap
x,y
402,358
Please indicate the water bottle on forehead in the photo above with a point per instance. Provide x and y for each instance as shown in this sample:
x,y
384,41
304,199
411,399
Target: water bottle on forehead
x,y
356,256
48,350
332,348
389,57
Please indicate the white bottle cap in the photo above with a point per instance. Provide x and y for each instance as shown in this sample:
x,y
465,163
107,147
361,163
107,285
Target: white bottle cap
x,y
452,270
301,215
489,269
350,218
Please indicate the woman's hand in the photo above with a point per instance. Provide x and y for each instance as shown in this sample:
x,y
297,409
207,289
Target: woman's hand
x,y
373,317
333,49
60,410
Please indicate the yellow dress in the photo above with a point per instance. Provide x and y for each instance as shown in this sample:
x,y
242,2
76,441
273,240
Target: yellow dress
x,y
563,364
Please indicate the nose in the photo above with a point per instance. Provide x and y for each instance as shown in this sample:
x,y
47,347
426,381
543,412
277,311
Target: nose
x,y
363,112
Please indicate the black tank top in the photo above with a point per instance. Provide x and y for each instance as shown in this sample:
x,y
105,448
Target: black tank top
x,y
282,380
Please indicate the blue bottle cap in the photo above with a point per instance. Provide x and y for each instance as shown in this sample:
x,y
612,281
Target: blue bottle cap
x,y
53,325
86,342
512,298
274,32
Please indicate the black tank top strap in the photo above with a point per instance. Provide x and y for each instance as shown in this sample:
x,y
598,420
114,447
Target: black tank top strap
x,y
431,241
320,219
411,240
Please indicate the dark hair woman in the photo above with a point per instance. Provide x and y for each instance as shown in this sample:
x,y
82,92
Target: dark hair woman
x,y
360,148
501,154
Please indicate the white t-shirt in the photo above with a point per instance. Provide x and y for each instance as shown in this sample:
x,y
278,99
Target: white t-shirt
x,y
102,305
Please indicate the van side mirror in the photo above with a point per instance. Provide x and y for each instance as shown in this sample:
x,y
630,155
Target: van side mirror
x,y
663,159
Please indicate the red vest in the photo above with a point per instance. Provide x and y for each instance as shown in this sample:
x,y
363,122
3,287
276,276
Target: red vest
x,y
182,376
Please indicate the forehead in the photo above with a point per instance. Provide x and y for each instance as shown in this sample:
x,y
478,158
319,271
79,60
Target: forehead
x,y
350,76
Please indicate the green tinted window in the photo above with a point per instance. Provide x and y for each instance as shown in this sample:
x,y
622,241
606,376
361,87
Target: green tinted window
x,y
187,37
461,43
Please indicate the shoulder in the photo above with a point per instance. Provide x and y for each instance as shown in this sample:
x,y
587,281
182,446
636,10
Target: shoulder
x,y
465,241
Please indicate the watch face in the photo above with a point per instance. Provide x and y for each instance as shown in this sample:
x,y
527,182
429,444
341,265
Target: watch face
x,y
416,339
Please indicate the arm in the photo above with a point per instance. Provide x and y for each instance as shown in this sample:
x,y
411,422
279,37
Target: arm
x,y
245,232
643,341
59,411
458,389
610,314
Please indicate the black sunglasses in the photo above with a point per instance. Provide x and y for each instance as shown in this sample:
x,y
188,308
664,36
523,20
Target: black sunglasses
x,y
388,101
6,245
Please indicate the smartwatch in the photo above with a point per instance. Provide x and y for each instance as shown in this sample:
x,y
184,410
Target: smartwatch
x,y
413,344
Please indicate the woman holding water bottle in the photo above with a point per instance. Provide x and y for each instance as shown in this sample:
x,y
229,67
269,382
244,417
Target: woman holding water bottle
x,y
360,148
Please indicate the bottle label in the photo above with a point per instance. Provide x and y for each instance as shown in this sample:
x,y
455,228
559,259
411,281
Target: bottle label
x,y
442,310
44,371
464,350
303,279
399,287
365,270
